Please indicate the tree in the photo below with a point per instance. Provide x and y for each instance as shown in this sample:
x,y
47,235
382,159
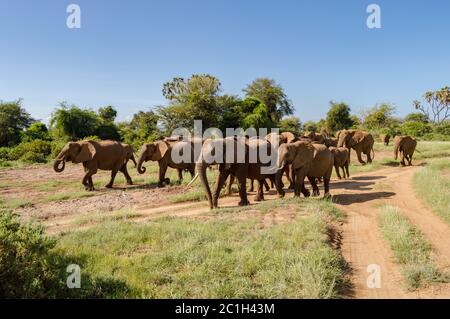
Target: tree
x,y
416,117
193,99
338,117
273,96
254,113
438,108
291,124
379,116
13,120
310,126
141,129
37,131
108,114
415,128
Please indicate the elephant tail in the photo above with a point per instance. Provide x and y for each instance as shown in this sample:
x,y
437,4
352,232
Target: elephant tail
x,y
133,159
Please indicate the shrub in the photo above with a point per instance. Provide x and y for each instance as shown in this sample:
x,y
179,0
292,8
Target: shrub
x,y
4,153
443,128
415,128
25,267
57,146
33,152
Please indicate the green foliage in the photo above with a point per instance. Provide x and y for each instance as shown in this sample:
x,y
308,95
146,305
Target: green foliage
x,y
443,128
35,151
73,123
291,124
416,129
310,126
416,117
338,117
141,129
273,96
30,267
25,267
13,120
254,114
192,99
107,114
379,117
37,131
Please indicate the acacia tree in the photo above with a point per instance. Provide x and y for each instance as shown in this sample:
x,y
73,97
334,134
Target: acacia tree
x,y
438,105
273,96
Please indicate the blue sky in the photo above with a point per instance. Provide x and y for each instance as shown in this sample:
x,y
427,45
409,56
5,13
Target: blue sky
x,y
318,50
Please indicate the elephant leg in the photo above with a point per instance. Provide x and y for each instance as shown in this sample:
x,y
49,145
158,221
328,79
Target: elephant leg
x,y
260,194
369,158
410,159
113,176
127,176
242,181
336,168
220,182
180,175
290,176
358,154
252,187
162,173
299,183
346,169
402,159
87,179
279,184
192,172
230,185
266,185
316,191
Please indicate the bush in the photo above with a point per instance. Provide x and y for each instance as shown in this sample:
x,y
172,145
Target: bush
x,y
25,261
32,152
31,266
443,128
4,153
57,146
417,129
435,137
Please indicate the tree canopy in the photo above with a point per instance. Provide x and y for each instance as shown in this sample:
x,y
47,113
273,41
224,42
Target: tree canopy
x,y
13,120
273,96
338,117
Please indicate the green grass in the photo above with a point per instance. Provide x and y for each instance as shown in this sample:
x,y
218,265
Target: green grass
x,y
410,249
174,257
14,203
426,150
434,188
67,196
120,215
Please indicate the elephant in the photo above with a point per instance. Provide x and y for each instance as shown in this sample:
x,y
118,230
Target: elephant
x,y
360,141
239,165
129,154
385,138
104,155
406,145
329,142
162,152
319,138
307,160
341,157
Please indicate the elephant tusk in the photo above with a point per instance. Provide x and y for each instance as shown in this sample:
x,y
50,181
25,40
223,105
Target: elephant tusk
x,y
193,180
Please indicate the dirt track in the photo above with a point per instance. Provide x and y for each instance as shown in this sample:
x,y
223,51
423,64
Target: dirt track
x,y
359,197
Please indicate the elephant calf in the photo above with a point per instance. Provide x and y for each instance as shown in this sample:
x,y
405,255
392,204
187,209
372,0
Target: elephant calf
x,y
105,155
406,145
341,160
161,152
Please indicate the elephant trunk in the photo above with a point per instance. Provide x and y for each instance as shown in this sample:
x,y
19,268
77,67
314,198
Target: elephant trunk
x,y
341,142
141,169
201,170
60,162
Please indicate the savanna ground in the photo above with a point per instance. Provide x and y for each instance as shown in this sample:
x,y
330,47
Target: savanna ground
x,y
165,242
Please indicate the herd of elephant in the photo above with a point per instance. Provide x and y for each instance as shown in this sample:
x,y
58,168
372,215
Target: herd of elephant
x,y
311,156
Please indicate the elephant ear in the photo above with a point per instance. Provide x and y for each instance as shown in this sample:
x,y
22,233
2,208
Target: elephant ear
x,y
161,149
87,153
